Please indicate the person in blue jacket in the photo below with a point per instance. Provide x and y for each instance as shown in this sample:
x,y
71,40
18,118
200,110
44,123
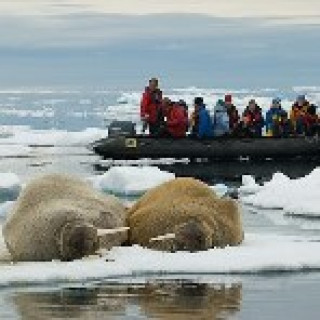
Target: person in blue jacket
x,y
277,123
204,126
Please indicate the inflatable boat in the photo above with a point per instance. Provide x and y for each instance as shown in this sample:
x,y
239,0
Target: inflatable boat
x,y
123,143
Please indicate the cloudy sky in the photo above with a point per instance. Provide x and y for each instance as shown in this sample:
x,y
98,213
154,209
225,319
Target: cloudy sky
x,y
121,43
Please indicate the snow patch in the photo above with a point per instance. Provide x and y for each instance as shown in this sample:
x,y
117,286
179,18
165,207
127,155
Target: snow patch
x,y
258,254
24,137
131,181
294,196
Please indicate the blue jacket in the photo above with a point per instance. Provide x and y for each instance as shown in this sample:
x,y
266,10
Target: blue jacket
x,y
205,124
221,120
272,115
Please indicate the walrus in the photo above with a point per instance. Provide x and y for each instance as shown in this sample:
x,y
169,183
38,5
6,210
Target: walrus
x,y
184,214
61,217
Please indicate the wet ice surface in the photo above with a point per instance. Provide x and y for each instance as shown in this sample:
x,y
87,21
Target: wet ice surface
x,y
50,135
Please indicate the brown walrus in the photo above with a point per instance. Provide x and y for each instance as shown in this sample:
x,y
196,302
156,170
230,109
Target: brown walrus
x,y
59,217
184,214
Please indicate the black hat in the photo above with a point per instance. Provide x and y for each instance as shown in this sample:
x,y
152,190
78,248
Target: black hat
x,y
198,101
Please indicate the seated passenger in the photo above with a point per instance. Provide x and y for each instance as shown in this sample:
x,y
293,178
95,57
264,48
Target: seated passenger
x,y
150,107
177,121
252,120
220,119
277,124
233,114
298,115
202,125
183,104
312,121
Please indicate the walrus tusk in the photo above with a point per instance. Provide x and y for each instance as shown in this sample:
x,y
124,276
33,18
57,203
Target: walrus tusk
x,y
163,237
103,232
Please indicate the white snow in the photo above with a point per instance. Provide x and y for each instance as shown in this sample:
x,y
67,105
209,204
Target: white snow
x,y
24,137
5,207
131,181
249,185
7,150
293,196
220,189
258,254
9,180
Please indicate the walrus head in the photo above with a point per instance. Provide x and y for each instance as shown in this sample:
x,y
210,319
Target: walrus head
x,y
78,239
190,236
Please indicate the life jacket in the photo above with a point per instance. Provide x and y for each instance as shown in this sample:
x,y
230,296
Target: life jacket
x,y
150,106
298,112
252,118
177,121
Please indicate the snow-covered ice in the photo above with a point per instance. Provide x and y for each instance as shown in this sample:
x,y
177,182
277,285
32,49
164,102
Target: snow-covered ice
x,y
249,185
293,196
5,208
131,181
258,254
26,137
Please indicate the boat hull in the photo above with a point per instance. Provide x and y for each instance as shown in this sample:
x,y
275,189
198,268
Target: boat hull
x,y
135,147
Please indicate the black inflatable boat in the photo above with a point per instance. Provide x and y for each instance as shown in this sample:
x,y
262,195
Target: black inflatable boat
x,y
123,143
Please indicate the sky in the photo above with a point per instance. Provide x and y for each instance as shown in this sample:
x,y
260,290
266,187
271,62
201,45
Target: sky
x,y
236,43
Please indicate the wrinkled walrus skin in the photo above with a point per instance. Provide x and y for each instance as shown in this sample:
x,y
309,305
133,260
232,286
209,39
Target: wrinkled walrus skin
x,y
56,217
191,211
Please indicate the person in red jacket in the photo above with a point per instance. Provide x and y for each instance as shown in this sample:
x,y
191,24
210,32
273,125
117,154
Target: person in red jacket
x,y
150,107
177,120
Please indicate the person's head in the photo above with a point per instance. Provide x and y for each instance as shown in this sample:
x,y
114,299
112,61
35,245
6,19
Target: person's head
x,y
301,99
276,103
220,105
182,103
153,84
198,101
228,99
252,105
166,102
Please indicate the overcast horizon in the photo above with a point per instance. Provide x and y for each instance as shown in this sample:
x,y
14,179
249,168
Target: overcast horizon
x,y
121,44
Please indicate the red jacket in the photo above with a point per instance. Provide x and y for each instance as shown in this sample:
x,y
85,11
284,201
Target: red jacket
x,y
150,105
177,121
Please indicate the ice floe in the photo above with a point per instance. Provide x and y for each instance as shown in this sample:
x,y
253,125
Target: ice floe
x,y
26,137
258,254
294,196
131,181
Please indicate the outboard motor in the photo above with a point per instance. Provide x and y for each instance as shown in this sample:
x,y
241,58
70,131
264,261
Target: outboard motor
x,y
121,128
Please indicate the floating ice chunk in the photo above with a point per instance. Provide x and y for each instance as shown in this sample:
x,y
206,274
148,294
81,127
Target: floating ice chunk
x,y
297,196
258,254
220,189
131,180
249,185
52,137
5,207
7,151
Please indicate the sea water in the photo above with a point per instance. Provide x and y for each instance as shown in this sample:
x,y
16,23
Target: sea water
x,y
46,130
